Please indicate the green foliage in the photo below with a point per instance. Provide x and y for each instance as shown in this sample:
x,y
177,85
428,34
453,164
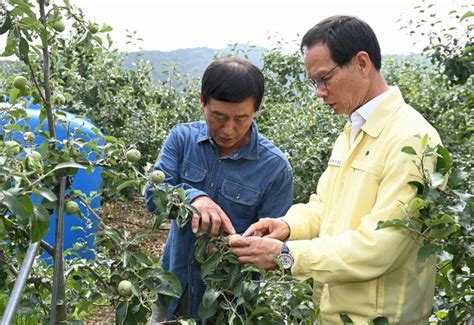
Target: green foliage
x,y
30,174
441,217
90,283
346,320
298,123
24,314
447,107
450,39
244,294
88,78
126,104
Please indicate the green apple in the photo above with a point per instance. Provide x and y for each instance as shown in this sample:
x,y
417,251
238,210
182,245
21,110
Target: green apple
x,y
19,82
157,177
232,238
125,288
34,155
59,26
25,91
34,161
72,207
12,148
29,137
133,155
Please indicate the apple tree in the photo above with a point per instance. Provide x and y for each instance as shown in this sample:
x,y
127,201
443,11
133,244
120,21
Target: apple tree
x,y
36,180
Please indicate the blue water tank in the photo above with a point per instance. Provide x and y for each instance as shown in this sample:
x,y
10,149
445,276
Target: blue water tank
x,y
78,231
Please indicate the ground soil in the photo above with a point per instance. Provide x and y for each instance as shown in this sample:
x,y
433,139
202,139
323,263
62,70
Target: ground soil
x,y
134,217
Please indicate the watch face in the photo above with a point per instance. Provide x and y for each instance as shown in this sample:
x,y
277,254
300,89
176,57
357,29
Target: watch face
x,y
286,260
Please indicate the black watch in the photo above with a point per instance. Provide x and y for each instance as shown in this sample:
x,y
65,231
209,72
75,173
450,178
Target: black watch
x,y
285,257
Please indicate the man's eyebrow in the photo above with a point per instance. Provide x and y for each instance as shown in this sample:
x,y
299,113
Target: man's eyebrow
x,y
217,113
222,114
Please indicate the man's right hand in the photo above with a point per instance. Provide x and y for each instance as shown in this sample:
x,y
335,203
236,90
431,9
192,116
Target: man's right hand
x,y
211,216
270,228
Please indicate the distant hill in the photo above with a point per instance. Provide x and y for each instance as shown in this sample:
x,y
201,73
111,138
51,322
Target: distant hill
x,y
191,61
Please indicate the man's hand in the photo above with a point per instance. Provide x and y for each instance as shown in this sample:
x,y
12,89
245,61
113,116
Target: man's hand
x,y
211,216
269,228
256,250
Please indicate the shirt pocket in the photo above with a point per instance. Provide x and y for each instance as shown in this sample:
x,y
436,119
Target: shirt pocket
x,y
239,193
192,173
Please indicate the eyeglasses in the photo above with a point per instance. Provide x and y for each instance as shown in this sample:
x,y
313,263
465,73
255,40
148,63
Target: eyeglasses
x,y
321,83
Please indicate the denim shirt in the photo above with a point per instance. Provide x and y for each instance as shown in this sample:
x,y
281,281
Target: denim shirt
x,y
254,182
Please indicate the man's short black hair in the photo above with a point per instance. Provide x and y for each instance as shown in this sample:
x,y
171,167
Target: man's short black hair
x,y
344,36
232,80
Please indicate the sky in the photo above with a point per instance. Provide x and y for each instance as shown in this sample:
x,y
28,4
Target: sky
x,y
169,25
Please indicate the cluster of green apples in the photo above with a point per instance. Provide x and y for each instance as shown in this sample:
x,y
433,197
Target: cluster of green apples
x,y
21,83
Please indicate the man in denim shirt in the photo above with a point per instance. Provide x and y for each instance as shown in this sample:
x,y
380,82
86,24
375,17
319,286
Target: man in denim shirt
x,y
231,173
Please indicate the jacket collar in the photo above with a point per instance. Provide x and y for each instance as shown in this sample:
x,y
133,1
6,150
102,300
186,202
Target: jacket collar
x,y
383,113
248,151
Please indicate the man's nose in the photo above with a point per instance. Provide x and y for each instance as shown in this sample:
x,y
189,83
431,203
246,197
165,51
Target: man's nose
x,y
228,127
321,92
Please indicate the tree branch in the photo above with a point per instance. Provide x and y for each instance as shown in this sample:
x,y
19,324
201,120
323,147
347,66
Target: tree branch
x,y
46,76
44,245
34,280
96,216
35,81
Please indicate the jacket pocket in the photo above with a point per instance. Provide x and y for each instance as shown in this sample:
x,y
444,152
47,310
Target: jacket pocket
x,y
239,193
192,173
368,167
361,190
353,298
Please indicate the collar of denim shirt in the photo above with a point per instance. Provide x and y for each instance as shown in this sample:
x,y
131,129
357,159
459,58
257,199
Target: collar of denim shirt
x,y
249,151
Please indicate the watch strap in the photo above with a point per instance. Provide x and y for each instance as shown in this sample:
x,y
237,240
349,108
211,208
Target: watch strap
x,y
285,249
285,257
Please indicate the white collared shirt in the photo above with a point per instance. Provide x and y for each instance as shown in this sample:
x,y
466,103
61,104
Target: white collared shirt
x,y
362,114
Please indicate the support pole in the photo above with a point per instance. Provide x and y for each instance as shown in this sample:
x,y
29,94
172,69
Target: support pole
x,y
24,273
58,301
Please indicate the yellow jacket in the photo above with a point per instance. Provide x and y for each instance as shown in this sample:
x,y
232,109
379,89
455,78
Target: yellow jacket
x,y
359,270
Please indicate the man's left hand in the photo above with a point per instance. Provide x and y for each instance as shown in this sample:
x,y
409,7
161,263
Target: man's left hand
x,y
257,250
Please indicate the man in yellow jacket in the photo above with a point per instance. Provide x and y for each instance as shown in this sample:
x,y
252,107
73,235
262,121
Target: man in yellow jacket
x,y
358,270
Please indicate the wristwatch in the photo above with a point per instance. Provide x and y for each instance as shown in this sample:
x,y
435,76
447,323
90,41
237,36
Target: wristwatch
x,y
285,257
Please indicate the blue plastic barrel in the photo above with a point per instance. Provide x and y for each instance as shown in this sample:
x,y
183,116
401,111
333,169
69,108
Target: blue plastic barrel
x,y
78,231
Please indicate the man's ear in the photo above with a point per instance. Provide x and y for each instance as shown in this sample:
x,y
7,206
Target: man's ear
x,y
256,112
201,100
363,62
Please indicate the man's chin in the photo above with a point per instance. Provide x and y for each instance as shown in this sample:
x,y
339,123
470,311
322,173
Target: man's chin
x,y
333,109
225,144
337,111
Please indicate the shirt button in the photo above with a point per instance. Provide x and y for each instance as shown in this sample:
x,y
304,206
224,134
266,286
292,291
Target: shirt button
x,y
186,174
238,196
212,184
